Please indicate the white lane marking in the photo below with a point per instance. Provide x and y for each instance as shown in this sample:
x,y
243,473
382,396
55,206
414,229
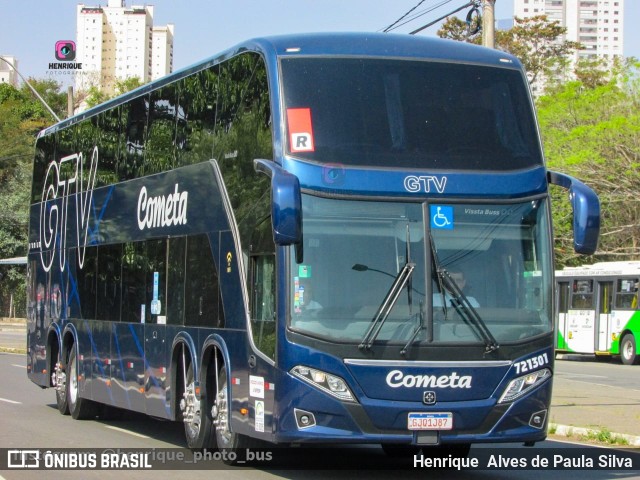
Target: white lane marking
x,y
10,401
117,429
19,366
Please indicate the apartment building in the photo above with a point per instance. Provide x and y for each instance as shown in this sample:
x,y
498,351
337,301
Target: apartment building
x,y
116,42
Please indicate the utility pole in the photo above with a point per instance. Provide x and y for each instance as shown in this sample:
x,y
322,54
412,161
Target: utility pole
x,y
69,101
488,23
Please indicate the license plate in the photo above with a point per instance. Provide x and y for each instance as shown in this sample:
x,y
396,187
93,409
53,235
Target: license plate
x,y
430,421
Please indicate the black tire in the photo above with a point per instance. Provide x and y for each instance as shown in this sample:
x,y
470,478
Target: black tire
x,y
80,408
628,349
227,440
198,430
61,397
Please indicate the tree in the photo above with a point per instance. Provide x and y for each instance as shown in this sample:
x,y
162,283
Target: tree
x,y
22,116
536,41
593,132
95,96
456,29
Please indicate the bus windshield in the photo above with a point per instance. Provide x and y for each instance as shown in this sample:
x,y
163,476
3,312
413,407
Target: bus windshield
x,y
408,113
497,256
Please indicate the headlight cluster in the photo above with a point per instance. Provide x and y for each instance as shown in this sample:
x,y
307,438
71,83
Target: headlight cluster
x,y
521,385
326,382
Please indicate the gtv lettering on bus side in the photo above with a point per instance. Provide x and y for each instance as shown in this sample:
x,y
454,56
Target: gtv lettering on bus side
x,y
64,180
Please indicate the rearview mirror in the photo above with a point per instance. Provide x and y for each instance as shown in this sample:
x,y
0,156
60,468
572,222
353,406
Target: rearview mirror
x,y
286,203
586,212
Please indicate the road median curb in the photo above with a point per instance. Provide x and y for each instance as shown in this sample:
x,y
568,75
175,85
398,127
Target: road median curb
x,y
588,435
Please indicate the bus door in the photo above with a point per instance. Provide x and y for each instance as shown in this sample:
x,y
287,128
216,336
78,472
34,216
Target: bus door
x,y
562,296
605,298
581,331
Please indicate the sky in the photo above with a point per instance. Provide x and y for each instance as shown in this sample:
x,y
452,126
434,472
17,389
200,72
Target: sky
x,y
29,29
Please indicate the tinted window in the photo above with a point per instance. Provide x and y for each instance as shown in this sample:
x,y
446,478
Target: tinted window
x,y
263,289
202,294
108,141
175,289
134,117
195,116
408,114
161,132
108,289
86,278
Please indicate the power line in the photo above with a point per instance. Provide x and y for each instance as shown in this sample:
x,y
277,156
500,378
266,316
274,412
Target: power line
x,y
408,18
472,3
403,16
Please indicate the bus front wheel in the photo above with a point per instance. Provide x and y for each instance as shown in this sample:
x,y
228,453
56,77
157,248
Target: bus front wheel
x,y
628,349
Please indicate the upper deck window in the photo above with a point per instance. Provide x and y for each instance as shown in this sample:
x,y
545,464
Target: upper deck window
x,y
408,114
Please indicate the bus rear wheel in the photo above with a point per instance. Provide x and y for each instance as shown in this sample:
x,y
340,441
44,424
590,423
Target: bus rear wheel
x,y
195,415
59,381
221,414
80,408
628,349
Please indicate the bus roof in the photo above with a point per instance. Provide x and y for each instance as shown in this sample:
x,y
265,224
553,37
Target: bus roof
x,y
601,269
323,44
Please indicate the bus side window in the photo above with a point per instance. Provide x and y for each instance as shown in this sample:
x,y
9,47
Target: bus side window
x,y
176,280
627,293
202,289
582,297
262,284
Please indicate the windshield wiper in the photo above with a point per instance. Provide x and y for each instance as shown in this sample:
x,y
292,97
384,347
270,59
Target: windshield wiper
x,y
461,303
387,304
467,312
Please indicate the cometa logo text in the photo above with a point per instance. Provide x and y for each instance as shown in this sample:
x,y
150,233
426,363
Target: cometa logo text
x,y
163,210
396,379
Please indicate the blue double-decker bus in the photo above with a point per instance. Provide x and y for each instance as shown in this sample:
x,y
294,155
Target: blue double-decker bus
x,y
305,239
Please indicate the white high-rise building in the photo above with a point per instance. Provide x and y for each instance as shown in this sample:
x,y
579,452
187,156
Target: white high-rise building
x,y
8,74
162,51
116,42
597,24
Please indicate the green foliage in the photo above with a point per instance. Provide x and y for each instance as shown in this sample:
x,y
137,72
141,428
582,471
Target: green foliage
x,y
535,41
592,131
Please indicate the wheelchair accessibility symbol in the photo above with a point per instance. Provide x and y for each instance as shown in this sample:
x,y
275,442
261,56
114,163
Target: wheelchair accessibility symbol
x,y
441,217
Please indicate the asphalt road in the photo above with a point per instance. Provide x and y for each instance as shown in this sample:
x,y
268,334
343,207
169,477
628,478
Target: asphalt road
x,y
29,419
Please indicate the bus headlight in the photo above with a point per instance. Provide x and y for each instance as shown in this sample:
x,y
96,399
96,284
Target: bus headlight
x,y
521,385
331,384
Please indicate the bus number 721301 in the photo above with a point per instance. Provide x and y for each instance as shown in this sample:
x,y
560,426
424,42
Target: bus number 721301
x,y
531,363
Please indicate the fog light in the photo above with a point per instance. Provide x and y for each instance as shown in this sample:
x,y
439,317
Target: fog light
x,y
537,419
304,419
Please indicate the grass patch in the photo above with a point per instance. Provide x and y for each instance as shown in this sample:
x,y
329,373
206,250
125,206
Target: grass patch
x,y
604,436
